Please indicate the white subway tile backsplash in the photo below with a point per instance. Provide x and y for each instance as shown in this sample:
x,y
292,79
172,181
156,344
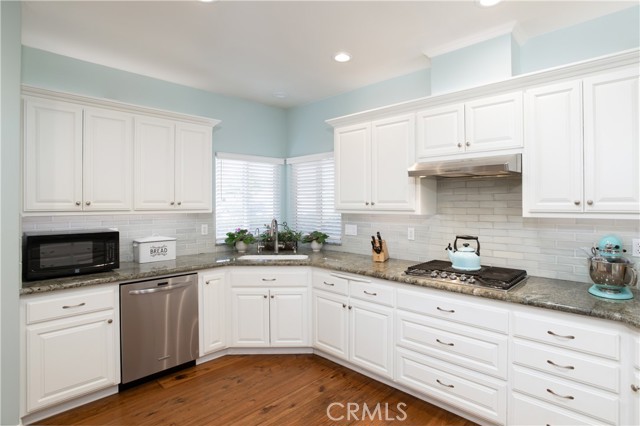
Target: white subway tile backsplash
x,y
492,210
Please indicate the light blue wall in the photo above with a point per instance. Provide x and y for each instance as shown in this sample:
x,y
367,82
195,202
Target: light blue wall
x,y
10,18
482,63
309,134
605,35
246,128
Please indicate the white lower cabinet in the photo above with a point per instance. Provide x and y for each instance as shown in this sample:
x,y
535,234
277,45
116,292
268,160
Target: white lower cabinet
x,y
453,349
273,315
71,346
212,311
353,320
566,370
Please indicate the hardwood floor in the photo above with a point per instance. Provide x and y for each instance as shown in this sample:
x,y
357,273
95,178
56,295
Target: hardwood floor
x,y
260,390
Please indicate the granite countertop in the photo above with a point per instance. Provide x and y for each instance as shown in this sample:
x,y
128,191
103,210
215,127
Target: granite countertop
x,y
559,295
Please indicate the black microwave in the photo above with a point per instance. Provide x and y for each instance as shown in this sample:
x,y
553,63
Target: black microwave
x,y
52,254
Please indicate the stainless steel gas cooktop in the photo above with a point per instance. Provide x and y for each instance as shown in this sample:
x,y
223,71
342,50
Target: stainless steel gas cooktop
x,y
486,276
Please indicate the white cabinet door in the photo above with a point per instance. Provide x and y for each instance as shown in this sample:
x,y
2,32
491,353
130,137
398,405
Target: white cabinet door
x,y
371,337
52,156
154,164
331,323
193,169
440,131
353,167
289,316
392,153
612,142
250,317
552,178
69,358
212,303
494,123
107,162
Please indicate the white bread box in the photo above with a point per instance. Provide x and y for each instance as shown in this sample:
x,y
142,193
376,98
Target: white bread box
x,y
154,249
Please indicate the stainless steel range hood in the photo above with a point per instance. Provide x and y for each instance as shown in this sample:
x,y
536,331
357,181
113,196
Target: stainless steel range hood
x,y
495,166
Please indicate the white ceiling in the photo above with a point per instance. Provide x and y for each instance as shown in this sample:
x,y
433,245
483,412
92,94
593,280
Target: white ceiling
x,y
253,49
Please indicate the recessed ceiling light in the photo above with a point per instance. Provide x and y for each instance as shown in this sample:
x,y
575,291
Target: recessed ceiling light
x,y
279,95
488,3
207,1
342,57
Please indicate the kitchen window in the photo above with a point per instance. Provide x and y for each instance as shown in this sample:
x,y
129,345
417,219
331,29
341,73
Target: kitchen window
x,y
312,196
248,192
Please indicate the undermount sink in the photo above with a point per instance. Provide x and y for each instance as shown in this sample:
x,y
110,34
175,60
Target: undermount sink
x,y
274,257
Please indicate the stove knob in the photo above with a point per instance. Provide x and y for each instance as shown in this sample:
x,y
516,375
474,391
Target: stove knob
x,y
434,274
472,280
453,277
463,277
443,275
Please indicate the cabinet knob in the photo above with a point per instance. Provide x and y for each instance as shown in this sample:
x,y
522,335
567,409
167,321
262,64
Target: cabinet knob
x,y
88,203
366,203
576,202
78,203
635,388
590,202
172,203
459,145
373,204
179,203
109,321
350,307
344,305
468,143
265,296
272,296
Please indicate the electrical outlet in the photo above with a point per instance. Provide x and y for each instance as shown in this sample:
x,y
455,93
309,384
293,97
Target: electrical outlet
x,y
411,234
204,229
635,247
350,229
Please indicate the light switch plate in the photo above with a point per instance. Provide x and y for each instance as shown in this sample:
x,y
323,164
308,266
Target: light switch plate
x,y
350,229
204,229
411,234
635,247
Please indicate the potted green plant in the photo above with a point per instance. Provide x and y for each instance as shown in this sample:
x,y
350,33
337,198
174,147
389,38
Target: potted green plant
x,y
287,238
240,239
316,238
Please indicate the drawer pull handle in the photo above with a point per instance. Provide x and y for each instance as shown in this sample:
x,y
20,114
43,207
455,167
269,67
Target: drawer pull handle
x,y
268,279
329,284
560,396
370,294
443,384
450,311
559,335
73,306
568,367
635,388
444,343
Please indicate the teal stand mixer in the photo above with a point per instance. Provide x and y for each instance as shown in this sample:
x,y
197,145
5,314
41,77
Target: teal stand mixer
x,y
610,271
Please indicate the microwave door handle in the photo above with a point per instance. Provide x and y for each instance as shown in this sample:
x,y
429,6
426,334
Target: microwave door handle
x,y
151,290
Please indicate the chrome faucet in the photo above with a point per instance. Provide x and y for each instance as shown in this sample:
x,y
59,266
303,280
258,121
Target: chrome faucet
x,y
273,231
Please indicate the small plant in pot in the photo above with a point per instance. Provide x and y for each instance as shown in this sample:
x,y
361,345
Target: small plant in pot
x,y
287,238
316,238
240,239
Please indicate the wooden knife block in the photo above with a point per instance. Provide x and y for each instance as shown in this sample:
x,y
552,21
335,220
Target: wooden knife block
x,y
383,255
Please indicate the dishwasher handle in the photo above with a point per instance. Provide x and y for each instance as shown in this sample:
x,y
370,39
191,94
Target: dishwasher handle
x,y
158,289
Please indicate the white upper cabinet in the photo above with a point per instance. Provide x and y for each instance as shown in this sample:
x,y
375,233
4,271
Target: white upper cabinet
x,y
482,125
52,155
372,160
173,165
107,160
76,158
581,154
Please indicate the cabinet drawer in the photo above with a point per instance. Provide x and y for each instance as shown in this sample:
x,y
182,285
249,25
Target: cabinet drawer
x,y
330,282
372,292
526,411
456,386
469,348
69,304
599,373
572,396
474,314
271,277
583,338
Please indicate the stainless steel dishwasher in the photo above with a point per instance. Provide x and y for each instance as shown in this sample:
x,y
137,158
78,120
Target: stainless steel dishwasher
x,y
159,325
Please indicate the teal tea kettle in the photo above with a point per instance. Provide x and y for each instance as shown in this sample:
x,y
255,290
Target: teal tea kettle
x,y
466,258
